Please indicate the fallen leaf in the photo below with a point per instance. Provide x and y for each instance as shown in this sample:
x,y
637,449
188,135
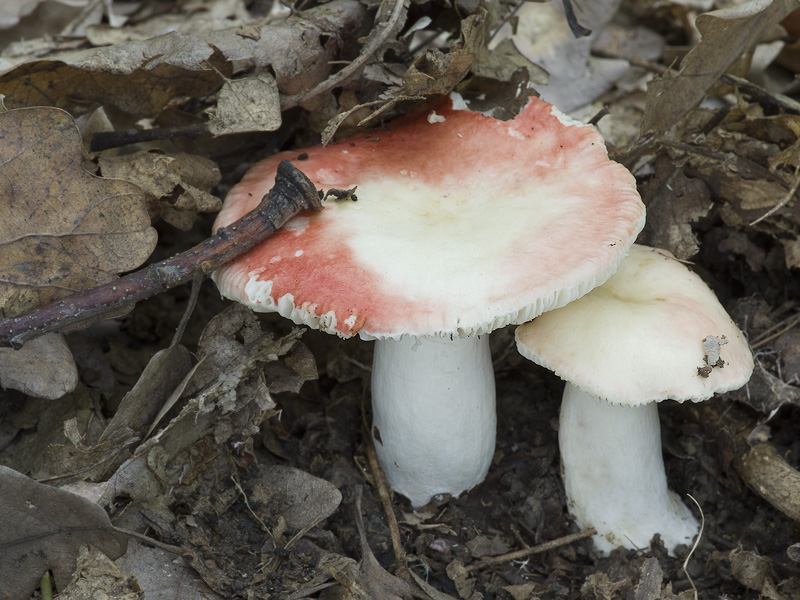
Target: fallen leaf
x,y
96,576
673,202
63,230
161,575
42,368
161,376
371,580
750,569
481,546
649,586
296,50
435,72
728,34
459,575
299,497
543,36
11,11
503,61
244,105
43,528
289,375
178,185
522,591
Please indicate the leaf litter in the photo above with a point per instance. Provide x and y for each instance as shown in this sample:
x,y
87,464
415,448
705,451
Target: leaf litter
x,y
239,447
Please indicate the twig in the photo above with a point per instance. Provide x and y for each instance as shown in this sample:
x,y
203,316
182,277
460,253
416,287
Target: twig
x,y
551,545
576,28
761,341
782,202
292,193
156,544
694,546
379,480
375,40
104,140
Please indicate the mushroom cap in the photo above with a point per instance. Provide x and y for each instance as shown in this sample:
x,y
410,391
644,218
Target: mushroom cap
x,y
639,337
463,224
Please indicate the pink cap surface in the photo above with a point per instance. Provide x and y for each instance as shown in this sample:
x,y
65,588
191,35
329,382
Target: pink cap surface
x,y
639,337
463,224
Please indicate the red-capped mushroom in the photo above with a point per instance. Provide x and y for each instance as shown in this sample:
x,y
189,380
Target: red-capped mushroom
x,y
462,224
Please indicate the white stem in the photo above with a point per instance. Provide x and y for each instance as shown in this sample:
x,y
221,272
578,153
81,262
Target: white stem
x,y
434,421
614,474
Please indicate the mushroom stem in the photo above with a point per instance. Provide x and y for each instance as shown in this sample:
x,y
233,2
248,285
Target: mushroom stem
x,y
614,474
434,422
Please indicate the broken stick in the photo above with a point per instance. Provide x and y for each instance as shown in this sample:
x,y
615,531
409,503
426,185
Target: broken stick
x,y
292,193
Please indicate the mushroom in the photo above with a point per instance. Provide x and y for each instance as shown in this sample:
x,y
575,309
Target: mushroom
x,y
460,224
653,331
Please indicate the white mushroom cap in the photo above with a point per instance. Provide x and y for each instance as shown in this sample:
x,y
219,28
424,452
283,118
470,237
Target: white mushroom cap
x,y
640,337
653,331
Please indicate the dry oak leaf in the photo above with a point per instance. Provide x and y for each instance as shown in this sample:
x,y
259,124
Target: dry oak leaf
x,y
728,34
141,76
41,528
178,184
63,229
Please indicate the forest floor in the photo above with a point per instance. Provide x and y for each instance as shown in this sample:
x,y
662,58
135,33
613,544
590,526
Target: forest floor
x,y
239,451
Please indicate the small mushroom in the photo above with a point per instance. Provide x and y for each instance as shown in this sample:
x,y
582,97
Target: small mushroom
x,y
463,224
653,331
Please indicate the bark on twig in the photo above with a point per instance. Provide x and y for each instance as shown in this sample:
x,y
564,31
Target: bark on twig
x,y
292,193
758,463
526,552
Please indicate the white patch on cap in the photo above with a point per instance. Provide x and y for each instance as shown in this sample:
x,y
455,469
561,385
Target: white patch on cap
x,y
297,225
434,118
515,134
427,243
566,119
299,253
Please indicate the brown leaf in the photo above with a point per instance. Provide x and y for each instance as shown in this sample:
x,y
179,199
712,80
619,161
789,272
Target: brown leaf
x,y
296,50
290,375
42,368
249,104
96,576
673,202
178,185
299,497
437,73
63,229
138,408
372,580
481,546
727,35
503,61
43,528
649,586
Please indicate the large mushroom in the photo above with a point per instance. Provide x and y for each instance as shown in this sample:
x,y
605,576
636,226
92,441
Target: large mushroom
x,y
462,224
652,332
